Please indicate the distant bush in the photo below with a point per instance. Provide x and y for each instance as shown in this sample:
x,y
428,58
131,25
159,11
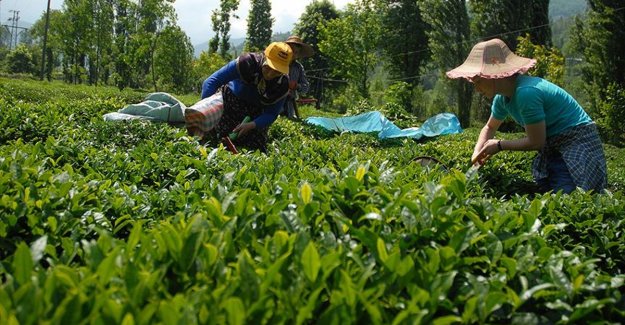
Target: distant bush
x,y
612,114
20,60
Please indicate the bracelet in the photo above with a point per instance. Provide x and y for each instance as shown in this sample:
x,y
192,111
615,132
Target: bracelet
x,y
499,145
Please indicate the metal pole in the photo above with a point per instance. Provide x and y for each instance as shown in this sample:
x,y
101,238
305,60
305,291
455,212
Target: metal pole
x,y
17,19
14,20
45,40
11,30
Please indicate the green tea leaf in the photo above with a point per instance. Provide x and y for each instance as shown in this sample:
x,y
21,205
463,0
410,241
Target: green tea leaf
x,y
311,262
128,319
235,310
306,193
108,267
446,320
360,173
382,253
22,264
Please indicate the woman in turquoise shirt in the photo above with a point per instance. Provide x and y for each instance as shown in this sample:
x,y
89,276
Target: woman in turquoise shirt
x,y
570,153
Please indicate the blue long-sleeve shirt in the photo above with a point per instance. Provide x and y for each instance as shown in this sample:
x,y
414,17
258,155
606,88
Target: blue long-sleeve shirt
x,y
244,77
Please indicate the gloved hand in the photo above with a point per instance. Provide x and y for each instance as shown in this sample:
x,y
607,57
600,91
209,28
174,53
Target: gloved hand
x,y
293,85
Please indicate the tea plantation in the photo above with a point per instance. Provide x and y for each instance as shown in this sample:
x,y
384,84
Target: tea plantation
x,y
137,223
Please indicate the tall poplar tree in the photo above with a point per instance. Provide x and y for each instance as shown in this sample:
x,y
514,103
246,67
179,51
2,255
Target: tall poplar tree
x,y
221,26
600,40
316,15
173,68
76,39
404,39
53,46
259,24
151,18
509,19
102,42
122,31
450,42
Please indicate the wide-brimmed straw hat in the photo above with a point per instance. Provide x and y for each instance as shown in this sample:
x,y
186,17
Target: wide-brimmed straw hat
x,y
306,50
491,60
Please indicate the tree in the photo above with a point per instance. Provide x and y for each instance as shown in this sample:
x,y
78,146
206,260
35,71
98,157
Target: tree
x,y
600,41
102,43
76,38
122,31
352,42
151,17
54,42
221,27
449,40
173,60
508,19
259,24
5,36
404,39
316,15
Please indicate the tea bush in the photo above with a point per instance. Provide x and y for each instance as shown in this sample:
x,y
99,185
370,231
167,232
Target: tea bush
x,y
136,222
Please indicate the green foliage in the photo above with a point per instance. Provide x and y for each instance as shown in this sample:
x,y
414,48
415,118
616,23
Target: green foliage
x,y
137,223
204,66
173,57
316,14
221,26
398,102
348,101
20,60
599,40
399,93
403,39
259,22
550,62
612,114
449,41
505,19
351,42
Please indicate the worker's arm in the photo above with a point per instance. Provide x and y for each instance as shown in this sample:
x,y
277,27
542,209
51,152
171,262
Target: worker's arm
x,y
219,78
480,155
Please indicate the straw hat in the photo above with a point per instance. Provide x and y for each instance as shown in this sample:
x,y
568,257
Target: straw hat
x,y
491,60
306,50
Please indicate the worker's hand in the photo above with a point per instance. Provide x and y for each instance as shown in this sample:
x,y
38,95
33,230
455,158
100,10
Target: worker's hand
x,y
243,128
488,150
293,85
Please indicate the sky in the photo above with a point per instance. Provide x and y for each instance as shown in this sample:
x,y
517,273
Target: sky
x,y
194,16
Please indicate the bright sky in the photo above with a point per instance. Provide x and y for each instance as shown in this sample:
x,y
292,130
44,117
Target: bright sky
x,y
194,16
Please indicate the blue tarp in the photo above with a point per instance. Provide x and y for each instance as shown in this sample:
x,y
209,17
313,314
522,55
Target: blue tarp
x,y
374,121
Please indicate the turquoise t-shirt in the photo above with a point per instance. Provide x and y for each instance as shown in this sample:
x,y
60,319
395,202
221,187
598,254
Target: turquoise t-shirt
x,y
536,99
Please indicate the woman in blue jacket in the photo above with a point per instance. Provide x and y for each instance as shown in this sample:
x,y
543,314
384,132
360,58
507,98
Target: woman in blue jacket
x,y
570,152
254,85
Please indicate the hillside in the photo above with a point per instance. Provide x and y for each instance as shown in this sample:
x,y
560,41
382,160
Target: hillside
x,y
566,8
